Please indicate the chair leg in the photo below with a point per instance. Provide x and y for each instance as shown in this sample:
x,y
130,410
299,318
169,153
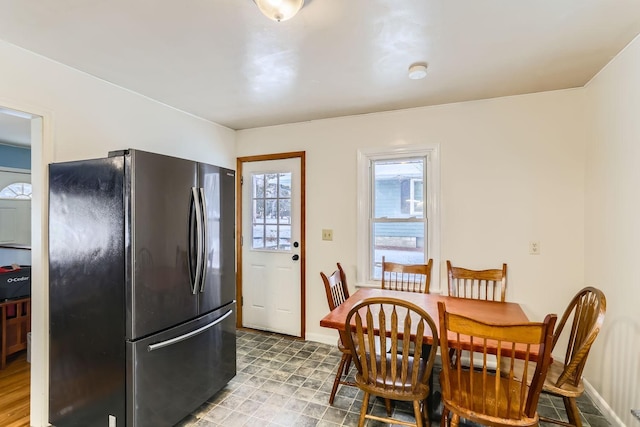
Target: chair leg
x,y
425,411
443,419
347,365
387,405
418,413
572,411
363,409
343,361
455,420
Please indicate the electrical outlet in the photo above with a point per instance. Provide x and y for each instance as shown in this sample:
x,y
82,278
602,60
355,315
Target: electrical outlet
x,y
327,234
534,247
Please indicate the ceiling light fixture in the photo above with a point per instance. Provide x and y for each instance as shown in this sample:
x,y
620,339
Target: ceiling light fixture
x,y
279,10
417,71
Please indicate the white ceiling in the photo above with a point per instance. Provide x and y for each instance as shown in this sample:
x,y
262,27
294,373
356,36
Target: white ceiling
x,y
224,61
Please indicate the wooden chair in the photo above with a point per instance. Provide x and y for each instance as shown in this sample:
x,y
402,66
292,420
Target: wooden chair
x,y
586,311
382,324
483,396
406,277
337,292
490,285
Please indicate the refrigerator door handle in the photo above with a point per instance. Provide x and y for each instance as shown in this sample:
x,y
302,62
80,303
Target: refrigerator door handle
x,y
188,335
195,197
191,232
204,239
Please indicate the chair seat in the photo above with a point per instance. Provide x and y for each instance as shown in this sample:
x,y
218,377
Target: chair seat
x,y
568,389
397,389
487,397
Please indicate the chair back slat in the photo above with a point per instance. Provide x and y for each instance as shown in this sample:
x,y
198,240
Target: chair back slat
x,y
482,394
406,277
487,285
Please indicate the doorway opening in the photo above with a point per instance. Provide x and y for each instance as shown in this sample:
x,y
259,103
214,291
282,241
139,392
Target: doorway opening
x,y
270,243
24,131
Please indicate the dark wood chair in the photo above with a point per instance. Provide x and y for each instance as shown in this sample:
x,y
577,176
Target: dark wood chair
x,y
385,325
584,317
490,285
335,286
406,277
484,396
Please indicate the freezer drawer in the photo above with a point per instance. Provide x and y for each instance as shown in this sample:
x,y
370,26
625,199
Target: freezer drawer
x,y
171,373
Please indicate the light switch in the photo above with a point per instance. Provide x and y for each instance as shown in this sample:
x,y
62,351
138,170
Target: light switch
x,y
327,234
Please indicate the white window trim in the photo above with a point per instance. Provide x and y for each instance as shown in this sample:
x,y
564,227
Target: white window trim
x,y
432,154
412,196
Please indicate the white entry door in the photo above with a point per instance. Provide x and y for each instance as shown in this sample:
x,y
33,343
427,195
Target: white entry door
x,y
271,224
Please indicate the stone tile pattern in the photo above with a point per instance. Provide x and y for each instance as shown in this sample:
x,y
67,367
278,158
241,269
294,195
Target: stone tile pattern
x,y
283,382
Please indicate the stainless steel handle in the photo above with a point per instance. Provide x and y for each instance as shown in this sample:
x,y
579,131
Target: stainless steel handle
x,y
195,192
192,273
203,205
186,336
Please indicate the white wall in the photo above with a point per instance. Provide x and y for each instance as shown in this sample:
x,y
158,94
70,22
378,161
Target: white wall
x,y
612,228
83,118
512,170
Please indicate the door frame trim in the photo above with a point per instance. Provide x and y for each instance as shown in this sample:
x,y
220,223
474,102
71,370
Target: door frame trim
x,y
303,216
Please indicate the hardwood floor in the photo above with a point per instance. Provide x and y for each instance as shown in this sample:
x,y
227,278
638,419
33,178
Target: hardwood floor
x,y
15,380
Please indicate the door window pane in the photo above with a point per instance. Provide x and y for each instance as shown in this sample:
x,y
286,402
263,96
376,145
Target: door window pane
x,y
17,190
271,211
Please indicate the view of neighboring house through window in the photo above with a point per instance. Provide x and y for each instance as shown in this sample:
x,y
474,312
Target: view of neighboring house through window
x,y
397,218
398,222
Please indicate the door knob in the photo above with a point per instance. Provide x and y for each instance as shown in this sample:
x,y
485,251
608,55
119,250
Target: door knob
x,y
295,257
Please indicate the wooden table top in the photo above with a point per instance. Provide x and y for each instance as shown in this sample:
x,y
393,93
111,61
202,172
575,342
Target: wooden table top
x,y
486,311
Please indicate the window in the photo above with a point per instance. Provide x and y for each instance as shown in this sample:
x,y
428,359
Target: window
x,y
271,211
397,218
17,190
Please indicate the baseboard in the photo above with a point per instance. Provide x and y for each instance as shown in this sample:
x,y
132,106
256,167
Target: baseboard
x,y
602,405
331,339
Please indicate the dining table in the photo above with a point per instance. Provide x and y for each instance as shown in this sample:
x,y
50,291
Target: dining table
x,y
491,312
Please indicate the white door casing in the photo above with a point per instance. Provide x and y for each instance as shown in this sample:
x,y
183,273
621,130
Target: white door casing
x,y
271,239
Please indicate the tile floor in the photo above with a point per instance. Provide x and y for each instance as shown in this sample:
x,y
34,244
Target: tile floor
x,y
285,382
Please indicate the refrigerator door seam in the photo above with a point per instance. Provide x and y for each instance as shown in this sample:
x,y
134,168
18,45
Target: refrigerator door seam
x,y
188,335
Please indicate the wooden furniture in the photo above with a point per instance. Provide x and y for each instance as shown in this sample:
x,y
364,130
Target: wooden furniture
x,y
485,311
406,277
335,286
481,395
15,323
488,285
387,371
584,315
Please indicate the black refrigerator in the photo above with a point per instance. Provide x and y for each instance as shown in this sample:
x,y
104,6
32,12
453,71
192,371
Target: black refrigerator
x,y
142,288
